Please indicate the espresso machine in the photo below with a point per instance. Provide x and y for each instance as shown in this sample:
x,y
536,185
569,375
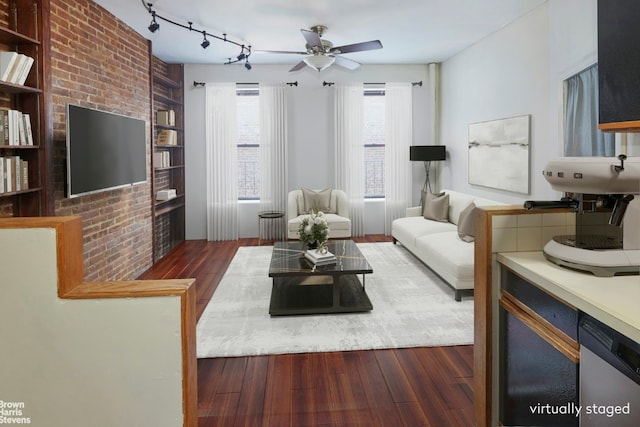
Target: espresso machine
x,y
602,192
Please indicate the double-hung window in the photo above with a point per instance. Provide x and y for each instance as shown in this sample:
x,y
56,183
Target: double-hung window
x,y
374,142
248,118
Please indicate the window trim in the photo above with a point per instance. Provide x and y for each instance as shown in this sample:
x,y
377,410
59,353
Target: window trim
x,y
247,90
373,91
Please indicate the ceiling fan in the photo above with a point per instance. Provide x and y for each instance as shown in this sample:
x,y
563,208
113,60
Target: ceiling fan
x,y
321,53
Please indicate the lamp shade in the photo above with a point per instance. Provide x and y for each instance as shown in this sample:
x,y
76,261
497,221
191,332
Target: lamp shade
x,y
319,62
427,153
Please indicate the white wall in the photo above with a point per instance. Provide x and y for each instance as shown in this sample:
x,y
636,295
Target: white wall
x,y
503,75
515,71
99,362
310,130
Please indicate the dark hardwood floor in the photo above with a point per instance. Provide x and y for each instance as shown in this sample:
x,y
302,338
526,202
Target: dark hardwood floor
x,y
398,387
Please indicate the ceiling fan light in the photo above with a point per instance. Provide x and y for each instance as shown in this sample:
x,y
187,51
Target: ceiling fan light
x,y
319,62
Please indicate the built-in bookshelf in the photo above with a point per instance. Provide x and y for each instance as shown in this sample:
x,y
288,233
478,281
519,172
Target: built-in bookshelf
x,y
167,160
24,149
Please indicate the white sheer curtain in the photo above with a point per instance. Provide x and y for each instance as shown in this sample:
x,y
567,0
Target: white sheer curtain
x,y
581,134
349,150
273,150
397,167
221,161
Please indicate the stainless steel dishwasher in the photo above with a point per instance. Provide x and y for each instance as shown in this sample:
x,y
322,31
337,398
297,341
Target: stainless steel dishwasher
x,y
609,376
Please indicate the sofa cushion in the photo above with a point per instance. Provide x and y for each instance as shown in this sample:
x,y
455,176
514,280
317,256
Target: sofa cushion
x,y
457,203
466,223
436,207
448,256
407,229
334,222
317,200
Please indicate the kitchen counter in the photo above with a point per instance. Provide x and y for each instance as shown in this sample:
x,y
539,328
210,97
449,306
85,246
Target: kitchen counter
x,y
614,301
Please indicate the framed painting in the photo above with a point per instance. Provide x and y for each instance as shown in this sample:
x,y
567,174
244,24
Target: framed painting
x,y
499,154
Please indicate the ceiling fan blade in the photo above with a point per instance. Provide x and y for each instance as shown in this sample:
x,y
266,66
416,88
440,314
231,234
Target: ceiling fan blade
x,y
358,47
299,66
347,63
312,38
280,52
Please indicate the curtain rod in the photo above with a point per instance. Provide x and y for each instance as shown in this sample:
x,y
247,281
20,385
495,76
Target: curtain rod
x,y
203,84
325,83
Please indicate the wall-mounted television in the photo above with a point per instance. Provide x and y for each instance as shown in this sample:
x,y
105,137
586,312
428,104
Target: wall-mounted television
x,y
104,151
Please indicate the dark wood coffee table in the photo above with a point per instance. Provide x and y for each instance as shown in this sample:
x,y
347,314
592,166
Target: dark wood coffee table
x,y
299,288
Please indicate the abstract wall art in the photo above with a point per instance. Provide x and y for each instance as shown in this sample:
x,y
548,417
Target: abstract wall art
x,y
499,154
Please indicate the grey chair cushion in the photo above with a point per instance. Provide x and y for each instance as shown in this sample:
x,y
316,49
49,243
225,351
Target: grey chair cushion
x,y
317,200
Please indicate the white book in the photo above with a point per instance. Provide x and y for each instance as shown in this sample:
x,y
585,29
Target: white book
x,y
27,128
9,128
320,259
17,171
3,178
24,71
8,174
22,132
7,62
14,127
24,173
17,68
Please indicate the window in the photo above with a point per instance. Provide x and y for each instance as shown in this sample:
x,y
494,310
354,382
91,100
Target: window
x,y
248,117
374,140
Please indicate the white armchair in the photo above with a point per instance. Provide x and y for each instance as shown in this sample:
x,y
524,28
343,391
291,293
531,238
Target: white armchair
x,y
337,214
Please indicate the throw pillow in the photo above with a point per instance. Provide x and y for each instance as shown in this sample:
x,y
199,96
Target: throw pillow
x,y
436,207
316,200
466,223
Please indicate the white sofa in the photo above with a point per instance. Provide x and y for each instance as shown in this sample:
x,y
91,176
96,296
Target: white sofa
x,y
337,214
438,245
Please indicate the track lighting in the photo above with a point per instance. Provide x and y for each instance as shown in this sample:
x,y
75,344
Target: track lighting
x,y
245,51
153,27
205,43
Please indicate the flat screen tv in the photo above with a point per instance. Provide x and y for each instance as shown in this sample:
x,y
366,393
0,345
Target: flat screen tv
x,y
104,151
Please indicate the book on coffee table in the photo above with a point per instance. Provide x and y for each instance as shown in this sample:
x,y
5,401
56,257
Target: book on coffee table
x,y
320,259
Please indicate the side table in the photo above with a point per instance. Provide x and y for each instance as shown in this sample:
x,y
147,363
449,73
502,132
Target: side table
x,y
273,218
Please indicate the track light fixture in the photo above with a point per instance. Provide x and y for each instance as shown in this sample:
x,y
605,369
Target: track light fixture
x,y
153,27
245,51
205,43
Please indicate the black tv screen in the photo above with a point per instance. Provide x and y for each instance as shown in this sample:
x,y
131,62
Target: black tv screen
x,y
104,151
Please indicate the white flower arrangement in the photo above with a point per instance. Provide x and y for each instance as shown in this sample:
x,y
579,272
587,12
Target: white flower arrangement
x,y
314,228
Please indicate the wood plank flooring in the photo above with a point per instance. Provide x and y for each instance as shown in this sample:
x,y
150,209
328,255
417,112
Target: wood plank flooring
x,y
398,387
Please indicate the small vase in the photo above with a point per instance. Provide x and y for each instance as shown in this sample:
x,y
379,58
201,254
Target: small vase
x,y
312,245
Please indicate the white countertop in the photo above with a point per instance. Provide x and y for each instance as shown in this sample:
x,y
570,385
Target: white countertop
x,y
614,301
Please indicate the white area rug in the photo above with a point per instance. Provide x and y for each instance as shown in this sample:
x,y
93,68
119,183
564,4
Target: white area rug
x,y
412,307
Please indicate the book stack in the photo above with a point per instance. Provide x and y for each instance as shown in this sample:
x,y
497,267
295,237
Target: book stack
x,y
14,174
15,128
162,159
166,117
15,67
320,259
169,194
167,137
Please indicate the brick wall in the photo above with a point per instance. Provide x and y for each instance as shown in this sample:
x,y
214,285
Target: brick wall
x,y
99,62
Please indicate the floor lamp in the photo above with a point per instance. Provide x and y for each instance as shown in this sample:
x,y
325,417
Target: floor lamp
x,y
427,154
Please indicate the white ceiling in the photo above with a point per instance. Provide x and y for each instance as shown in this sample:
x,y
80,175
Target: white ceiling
x,y
411,31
